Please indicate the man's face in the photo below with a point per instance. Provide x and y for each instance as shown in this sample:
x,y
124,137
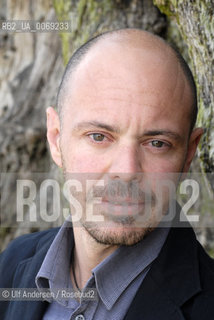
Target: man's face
x,y
126,121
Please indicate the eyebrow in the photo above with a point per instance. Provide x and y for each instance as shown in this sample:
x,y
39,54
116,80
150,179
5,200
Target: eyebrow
x,y
96,124
168,133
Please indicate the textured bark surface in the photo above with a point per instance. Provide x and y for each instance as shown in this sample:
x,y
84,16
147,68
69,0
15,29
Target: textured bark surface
x,y
193,31
31,68
195,20
92,17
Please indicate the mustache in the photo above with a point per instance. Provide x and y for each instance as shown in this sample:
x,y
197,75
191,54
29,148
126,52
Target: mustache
x,y
119,192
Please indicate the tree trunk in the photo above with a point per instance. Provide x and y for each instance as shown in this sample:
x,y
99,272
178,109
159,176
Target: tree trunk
x,y
30,67
195,23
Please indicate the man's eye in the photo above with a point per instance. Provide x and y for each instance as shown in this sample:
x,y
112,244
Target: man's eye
x,y
98,137
157,143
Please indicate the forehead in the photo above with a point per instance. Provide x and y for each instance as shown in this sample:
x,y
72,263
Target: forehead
x,y
128,75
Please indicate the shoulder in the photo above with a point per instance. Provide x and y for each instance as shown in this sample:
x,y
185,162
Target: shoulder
x,y
186,272
201,306
25,245
22,248
206,269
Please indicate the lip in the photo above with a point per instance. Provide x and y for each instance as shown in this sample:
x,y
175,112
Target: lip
x,y
123,205
123,202
122,208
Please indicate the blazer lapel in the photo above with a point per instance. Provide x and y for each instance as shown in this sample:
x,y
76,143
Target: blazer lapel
x,y
151,303
172,280
25,278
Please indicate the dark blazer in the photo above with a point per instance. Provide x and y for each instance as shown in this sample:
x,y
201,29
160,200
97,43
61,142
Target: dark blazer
x,y
179,285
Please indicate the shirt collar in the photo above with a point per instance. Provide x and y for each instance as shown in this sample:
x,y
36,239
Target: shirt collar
x,y
114,274
55,269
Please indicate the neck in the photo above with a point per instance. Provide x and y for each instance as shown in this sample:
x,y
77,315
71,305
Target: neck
x,y
88,253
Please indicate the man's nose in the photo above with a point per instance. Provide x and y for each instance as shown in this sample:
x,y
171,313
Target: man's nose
x,y
126,164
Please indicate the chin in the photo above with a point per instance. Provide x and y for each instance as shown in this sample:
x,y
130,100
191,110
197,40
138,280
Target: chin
x,y
117,234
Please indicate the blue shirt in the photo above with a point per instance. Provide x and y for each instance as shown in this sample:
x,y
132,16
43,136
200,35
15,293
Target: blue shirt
x,y
117,278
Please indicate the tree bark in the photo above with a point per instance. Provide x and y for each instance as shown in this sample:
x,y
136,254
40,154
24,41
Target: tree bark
x,y
91,17
193,32
195,21
30,67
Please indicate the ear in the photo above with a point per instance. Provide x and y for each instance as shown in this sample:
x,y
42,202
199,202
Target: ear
x,y
192,146
53,135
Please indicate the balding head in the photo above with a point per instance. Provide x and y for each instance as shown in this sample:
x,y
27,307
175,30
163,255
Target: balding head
x,y
137,43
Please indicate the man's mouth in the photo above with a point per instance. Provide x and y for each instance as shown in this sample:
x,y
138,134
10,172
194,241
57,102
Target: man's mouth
x,y
123,201
122,207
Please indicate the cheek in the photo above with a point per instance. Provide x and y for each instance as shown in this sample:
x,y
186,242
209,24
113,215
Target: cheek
x,y
168,163
78,160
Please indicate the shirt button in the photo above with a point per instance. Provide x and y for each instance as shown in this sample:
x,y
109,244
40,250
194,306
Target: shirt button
x,y
80,317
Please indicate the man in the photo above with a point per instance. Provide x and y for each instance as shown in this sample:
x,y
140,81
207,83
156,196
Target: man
x,y
126,114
